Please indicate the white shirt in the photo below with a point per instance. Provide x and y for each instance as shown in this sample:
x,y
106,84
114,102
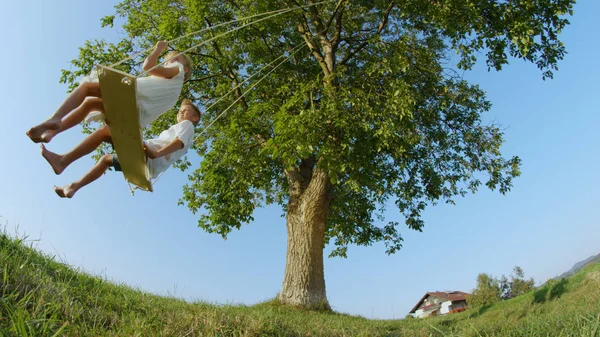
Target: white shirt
x,y
185,132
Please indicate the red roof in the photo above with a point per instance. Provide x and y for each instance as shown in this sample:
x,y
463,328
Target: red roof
x,y
449,296
442,295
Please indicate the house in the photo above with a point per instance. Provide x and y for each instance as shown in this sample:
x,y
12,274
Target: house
x,y
440,303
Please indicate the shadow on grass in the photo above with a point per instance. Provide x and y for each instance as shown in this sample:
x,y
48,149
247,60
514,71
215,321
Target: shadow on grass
x,y
539,296
551,291
476,312
446,323
483,309
558,289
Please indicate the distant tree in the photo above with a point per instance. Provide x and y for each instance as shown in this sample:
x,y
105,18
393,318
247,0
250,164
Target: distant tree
x,y
504,287
518,284
488,291
488,287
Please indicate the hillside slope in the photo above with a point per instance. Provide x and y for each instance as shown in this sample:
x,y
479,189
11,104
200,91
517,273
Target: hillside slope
x,y
41,297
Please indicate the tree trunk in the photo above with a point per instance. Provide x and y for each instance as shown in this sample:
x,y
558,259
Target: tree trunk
x,y
304,281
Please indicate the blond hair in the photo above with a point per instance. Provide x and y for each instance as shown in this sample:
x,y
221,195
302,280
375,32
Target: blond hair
x,y
188,102
188,60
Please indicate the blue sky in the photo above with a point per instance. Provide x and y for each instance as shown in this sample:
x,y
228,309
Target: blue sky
x,y
545,224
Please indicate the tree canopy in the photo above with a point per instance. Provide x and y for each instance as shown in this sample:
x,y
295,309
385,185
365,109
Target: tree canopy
x,y
375,101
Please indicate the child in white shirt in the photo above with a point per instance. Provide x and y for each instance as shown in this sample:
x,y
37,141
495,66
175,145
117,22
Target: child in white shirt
x,y
161,152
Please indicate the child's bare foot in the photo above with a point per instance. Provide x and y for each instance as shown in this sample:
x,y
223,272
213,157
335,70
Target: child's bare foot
x,y
36,132
53,159
65,191
47,136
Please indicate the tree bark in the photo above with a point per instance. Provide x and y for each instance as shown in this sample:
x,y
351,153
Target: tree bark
x,y
304,280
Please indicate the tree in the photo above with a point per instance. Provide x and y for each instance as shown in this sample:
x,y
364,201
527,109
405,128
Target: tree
x,y
504,287
373,111
518,285
488,291
491,290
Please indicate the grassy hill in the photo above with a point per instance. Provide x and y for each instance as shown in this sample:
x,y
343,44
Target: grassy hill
x,y
41,297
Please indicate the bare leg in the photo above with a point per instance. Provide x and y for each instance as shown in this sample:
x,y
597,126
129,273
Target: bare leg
x,y
96,172
75,117
60,162
73,100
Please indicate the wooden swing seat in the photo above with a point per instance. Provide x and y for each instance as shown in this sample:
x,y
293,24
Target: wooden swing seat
x,y
121,115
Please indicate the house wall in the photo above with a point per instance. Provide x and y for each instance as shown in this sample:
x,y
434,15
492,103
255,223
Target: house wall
x,y
430,313
422,314
430,300
445,308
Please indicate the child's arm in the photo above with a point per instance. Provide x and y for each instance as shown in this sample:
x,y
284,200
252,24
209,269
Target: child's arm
x,y
151,60
173,146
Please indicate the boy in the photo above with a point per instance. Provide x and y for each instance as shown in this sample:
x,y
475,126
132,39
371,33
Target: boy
x,y
161,152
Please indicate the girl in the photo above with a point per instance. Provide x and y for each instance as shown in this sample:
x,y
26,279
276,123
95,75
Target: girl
x,y
161,152
155,95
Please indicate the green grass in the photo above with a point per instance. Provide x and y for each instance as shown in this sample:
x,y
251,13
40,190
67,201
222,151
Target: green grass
x,y
42,297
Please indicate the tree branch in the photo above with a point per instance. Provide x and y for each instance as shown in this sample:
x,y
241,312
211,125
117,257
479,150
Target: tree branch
x,y
299,178
317,18
314,48
338,23
334,13
206,77
379,30
264,40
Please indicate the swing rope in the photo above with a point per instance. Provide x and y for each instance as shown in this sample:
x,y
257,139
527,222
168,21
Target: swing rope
x,y
271,14
223,34
292,53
